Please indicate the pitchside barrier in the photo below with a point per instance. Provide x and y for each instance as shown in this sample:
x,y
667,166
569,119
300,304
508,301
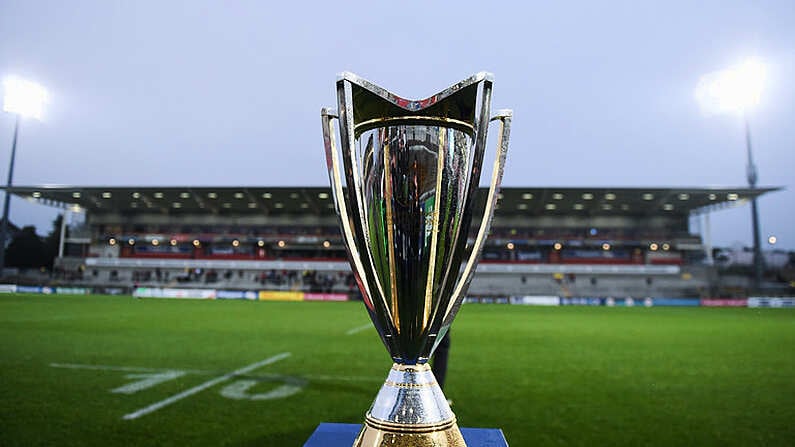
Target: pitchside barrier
x,y
212,294
180,293
771,301
531,300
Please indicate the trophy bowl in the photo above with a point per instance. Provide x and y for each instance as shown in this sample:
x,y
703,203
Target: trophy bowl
x,y
404,190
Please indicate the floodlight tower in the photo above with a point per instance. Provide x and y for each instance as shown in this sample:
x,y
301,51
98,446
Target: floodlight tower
x,y
24,99
738,89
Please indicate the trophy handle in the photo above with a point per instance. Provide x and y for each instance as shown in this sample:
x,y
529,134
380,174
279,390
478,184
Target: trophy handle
x,y
504,116
333,166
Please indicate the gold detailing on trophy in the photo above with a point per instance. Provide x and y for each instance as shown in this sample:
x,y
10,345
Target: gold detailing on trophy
x,y
411,368
390,230
440,155
331,153
409,385
377,433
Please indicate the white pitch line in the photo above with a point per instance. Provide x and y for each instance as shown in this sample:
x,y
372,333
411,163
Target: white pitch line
x,y
264,376
358,329
168,401
105,367
343,378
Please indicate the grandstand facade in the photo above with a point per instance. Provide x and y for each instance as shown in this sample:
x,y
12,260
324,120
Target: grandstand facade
x,y
568,242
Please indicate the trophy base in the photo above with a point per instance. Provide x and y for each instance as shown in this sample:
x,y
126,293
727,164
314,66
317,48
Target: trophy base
x,y
410,410
377,434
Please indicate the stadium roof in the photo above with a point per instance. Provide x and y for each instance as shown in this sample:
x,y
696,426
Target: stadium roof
x,y
514,201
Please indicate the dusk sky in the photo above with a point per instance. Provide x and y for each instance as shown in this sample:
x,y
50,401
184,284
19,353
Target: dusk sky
x,y
229,93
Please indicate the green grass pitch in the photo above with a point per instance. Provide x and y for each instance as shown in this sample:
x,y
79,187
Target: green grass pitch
x,y
546,376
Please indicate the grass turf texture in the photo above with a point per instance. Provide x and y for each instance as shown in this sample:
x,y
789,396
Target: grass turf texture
x,y
546,376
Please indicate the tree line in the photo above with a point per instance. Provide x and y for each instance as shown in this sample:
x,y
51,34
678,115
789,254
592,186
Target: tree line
x,y
28,250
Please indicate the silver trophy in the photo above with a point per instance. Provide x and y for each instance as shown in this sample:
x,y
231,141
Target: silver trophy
x,y
405,198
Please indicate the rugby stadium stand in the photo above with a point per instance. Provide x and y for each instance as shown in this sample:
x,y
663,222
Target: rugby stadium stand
x,y
608,242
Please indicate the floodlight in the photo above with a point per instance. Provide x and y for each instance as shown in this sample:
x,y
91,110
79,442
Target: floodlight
x,y
732,90
25,98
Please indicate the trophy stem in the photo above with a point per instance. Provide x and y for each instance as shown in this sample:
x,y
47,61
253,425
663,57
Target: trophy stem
x,y
410,410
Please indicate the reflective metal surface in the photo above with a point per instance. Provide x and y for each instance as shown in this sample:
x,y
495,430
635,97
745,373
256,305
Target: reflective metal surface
x,y
414,185
410,396
404,179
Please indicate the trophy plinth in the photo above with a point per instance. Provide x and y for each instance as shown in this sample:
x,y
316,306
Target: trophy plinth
x,y
404,189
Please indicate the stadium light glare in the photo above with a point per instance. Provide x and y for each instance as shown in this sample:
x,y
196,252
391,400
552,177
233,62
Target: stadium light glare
x,y
76,195
260,243
557,196
772,240
527,196
666,246
735,89
510,246
112,241
648,196
558,246
173,242
235,243
579,206
196,243
281,244
24,98
131,241
653,246
605,246
326,244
